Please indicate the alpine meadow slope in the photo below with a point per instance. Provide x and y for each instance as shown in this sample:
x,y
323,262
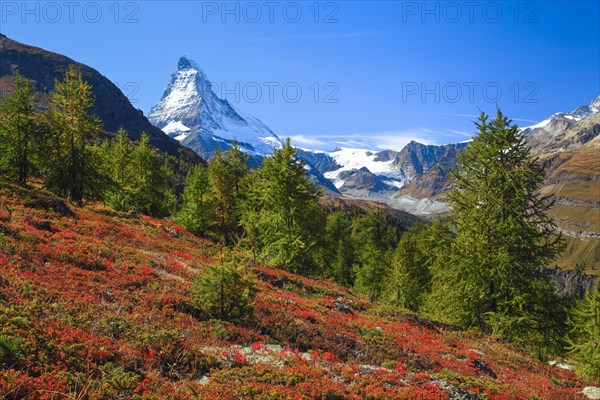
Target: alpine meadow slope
x,y
97,304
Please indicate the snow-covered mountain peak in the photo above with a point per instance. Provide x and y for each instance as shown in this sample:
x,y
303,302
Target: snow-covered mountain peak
x,y
189,67
192,113
549,135
587,110
577,114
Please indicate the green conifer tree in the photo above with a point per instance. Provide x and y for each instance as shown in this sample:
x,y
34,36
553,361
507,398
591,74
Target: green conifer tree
x,y
340,256
371,271
492,273
118,155
72,167
409,278
121,157
374,240
226,172
225,292
19,131
150,182
197,207
250,220
287,216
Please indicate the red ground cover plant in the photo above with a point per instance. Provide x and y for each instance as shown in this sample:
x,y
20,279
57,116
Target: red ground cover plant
x,y
94,304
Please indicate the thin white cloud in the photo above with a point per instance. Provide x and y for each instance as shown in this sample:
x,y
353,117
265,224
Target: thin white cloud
x,y
462,133
307,141
525,120
376,141
318,36
477,116
459,115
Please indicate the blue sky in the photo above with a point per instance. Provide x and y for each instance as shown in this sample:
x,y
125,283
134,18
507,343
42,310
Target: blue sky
x,y
365,74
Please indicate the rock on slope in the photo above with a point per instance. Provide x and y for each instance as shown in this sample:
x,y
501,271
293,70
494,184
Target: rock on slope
x,y
433,181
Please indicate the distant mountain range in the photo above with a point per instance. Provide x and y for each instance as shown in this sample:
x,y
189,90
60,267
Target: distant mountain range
x,y
414,178
549,135
191,112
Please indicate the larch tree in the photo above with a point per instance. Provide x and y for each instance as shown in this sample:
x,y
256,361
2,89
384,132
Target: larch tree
x,y
197,208
118,155
373,240
493,272
120,158
340,255
286,213
226,172
371,271
151,192
409,278
584,337
225,292
71,169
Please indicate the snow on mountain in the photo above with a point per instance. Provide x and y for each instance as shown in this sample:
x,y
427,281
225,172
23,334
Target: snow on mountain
x,y
414,178
539,124
553,128
587,110
177,130
192,113
576,115
356,159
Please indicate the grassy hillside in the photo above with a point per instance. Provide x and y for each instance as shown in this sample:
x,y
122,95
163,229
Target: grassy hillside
x,y
400,218
94,304
573,182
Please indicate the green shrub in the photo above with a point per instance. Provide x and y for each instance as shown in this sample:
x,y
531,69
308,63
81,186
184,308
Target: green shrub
x,y
225,292
11,349
585,336
117,383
